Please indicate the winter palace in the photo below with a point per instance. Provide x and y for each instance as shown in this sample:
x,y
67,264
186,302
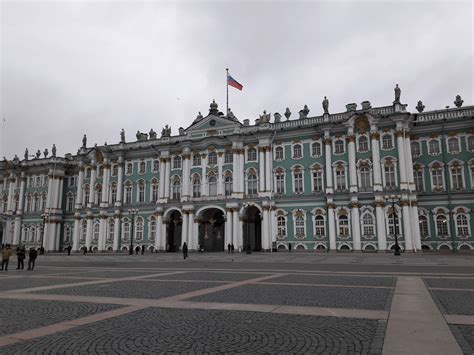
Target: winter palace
x,y
351,181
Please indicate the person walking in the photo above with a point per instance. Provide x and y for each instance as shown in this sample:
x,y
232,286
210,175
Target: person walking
x,y
69,248
143,249
289,247
33,254
21,255
185,250
228,248
84,250
232,248
137,249
6,253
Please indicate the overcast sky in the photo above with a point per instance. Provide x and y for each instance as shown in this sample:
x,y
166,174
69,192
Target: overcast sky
x,y
71,67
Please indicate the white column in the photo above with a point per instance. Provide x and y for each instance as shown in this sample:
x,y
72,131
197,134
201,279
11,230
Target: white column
x,y
186,174
328,156
356,226
21,202
235,171
220,178
77,231
102,232
415,226
203,175
162,177
381,238
235,229
11,191
228,227
264,225
17,231
80,185
402,161
240,177
268,168
89,232
92,186
407,226
261,169
374,139
105,186
49,198
119,200
59,200
332,227
352,165
162,231
184,229
409,163
117,227
192,237
167,177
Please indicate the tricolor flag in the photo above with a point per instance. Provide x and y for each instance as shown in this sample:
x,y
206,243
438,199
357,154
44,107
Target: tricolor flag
x,y
232,82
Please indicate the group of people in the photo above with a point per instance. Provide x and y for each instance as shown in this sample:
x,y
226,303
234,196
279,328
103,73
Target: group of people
x,y
230,248
20,255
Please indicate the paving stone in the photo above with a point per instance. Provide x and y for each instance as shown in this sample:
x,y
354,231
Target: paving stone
x,y
27,282
449,283
454,302
211,276
337,280
464,335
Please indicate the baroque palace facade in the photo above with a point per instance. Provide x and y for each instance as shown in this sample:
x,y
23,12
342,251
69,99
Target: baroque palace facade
x,y
347,181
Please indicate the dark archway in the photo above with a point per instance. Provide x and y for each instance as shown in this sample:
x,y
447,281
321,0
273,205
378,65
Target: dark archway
x,y
173,231
211,230
1,234
252,225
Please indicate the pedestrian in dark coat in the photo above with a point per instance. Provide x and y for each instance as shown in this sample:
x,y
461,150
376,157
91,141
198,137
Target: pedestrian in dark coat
x,y
232,248
185,250
289,247
69,248
33,254
21,255
228,248
84,250
6,253
137,249
143,249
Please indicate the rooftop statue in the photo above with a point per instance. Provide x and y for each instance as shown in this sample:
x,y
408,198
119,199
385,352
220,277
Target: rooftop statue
x,y
326,105
16,160
46,153
53,150
38,154
458,102
152,134
230,114
265,118
84,141
166,131
141,136
122,136
277,117
397,94
420,107
181,131
26,153
304,112
287,113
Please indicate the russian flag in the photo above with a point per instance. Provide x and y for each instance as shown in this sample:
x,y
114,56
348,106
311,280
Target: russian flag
x,y
232,82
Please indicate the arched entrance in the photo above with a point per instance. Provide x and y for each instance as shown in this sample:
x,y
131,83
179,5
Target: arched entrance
x,y
252,225
173,231
211,230
1,233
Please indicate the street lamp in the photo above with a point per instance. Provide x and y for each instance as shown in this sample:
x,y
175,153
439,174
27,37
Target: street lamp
x,y
392,199
45,216
132,212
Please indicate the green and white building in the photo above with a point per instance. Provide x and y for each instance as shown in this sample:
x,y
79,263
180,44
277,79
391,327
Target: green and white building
x,y
352,180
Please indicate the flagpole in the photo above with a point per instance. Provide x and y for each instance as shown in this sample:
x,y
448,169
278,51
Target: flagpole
x,y
227,87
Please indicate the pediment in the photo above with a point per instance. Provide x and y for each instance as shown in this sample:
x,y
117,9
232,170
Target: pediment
x,y
212,122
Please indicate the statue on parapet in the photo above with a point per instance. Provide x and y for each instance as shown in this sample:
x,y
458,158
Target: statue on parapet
x,y
16,160
420,107
398,92
38,154
53,151
304,112
84,141
326,105
141,136
230,114
122,136
152,134
287,113
277,117
166,131
458,102
46,153
26,154
265,118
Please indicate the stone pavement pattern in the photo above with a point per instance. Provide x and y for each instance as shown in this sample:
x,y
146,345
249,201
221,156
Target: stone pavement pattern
x,y
219,303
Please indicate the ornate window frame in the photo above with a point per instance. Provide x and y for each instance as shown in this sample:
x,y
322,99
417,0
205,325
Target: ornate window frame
x,y
442,212
279,171
365,163
299,214
337,166
387,161
251,150
294,155
466,213
314,144
392,141
317,168
415,154
297,169
422,212
335,142
368,210
316,213
437,165
177,162
284,215
452,138
358,137
141,191
275,154
416,169
430,151
254,172
455,163
339,213
470,143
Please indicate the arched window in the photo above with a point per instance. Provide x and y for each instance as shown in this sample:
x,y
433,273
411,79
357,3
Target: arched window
x,y
152,228
95,235
389,170
442,226
279,153
154,190
70,202
456,177
29,203
299,226
433,147
418,176
36,207
83,231
110,236
393,224
298,180
197,159
343,226
228,184
280,181
317,179
365,181
228,157
32,234
368,229
387,142
212,180
297,151
115,170
98,193
113,192
100,172
141,191
316,149
437,177
340,178
142,167
43,201
128,192
176,188
423,221
126,230
88,175
363,144
129,170
415,149
86,194
252,183
462,225
196,185
339,146
156,165
212,158
470,143
453,145
281,227
252,154
139,229
319,227
67,234
177,162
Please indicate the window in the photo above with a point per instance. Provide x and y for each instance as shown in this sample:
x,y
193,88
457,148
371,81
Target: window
x,y
100,172
423,221
418,175
98,193
472,175
43,201
470,143
456,177
252,154
156,165
442,226
228,185
129,170
152,228
126,230
280,181
228,157
316,149
113,192
339,146
142,167
433,147
389,170
212,185
415,149
128,192
154,190
279,153
36,203
115,170
368,229
88,175
462,225
139,229
453,145
387,142
176,188
363,144
437,178
67,234
340,179
393,225
343,226
71,181
281,227
297,151
299,227
319,227
298,181
110,236
83,231
70,202
317,180
196,186
212,158
141,192
251,183
365,181
177,162
95,236
197,159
